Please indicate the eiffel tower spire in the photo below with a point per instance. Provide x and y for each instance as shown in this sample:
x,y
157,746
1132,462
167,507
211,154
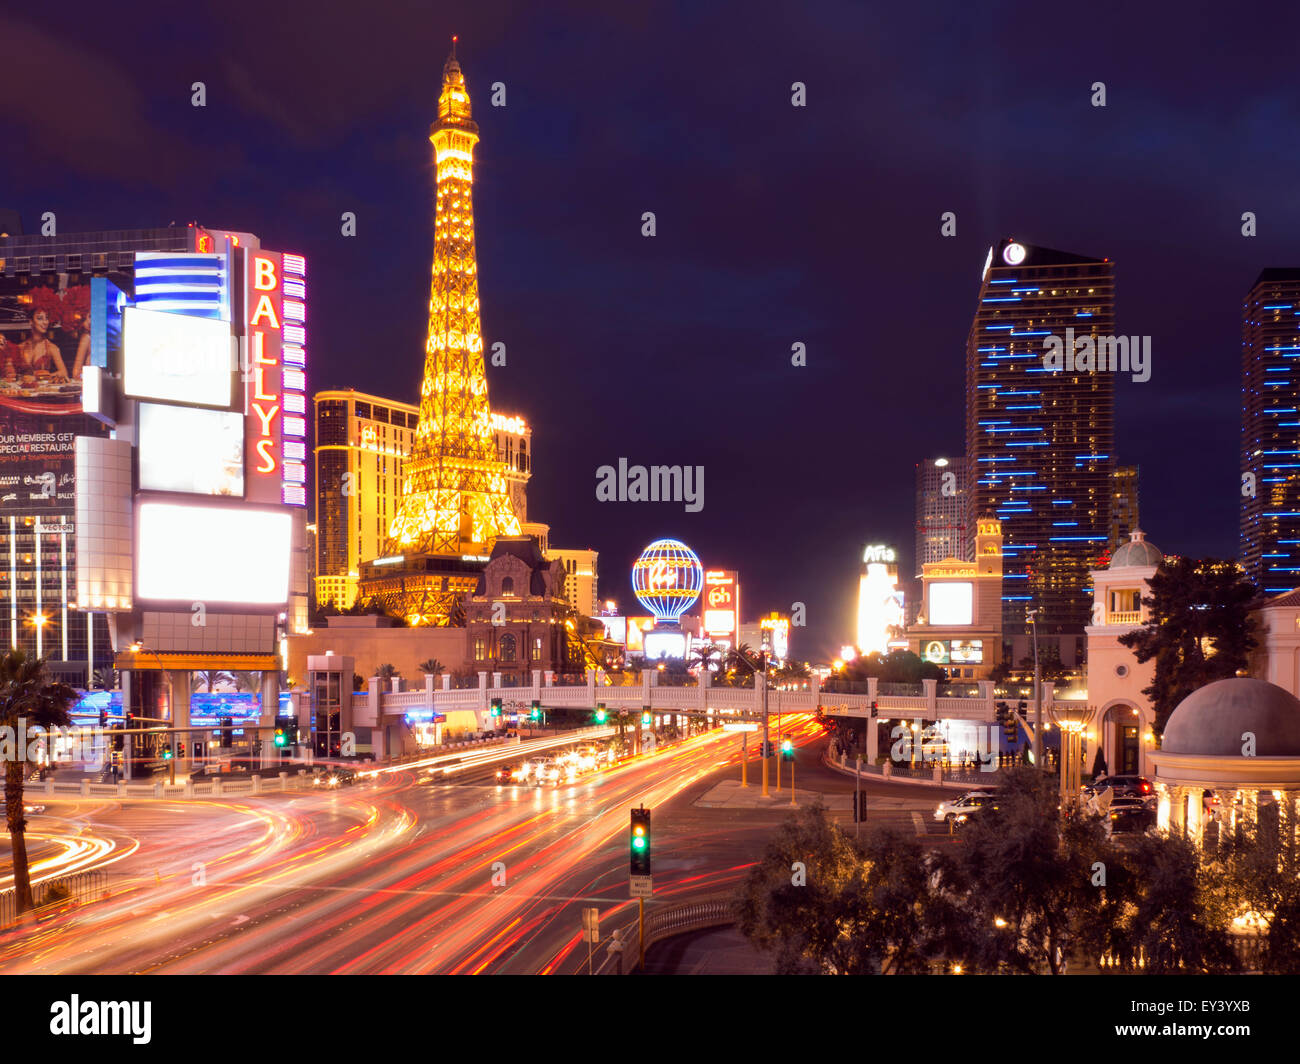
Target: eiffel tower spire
x,y
456,497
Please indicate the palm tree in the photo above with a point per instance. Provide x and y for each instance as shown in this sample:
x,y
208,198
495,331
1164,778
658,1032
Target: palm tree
x,y
105,679
386,672
433,667
744,657
247,681
24,695
705,655
208,678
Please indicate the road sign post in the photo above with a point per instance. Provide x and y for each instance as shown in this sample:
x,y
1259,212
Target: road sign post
x,y
857,791
590,931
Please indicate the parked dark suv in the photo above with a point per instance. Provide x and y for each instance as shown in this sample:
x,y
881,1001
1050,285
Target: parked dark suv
x,y
1121,787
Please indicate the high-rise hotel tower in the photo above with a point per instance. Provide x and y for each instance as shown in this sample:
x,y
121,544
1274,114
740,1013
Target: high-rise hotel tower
x,y
1270,431
1039,440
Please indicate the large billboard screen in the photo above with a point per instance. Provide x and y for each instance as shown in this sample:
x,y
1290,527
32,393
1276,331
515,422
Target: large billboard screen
x,y
177,358
45,342
951,603
212,554
721,602
187,449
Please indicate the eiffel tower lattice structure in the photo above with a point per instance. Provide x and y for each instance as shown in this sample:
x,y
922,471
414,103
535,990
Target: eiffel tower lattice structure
x,y
456,497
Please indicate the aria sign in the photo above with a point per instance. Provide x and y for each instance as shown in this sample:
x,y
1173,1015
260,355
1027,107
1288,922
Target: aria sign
x,y
880,553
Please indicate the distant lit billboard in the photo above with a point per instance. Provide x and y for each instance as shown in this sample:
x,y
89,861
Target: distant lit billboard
x,y
776,634
935,650
188,449
176,358
45,344
951,603
212,554
615,629
721,602
664,644
636,629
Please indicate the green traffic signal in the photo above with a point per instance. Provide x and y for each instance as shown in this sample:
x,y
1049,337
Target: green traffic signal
x,y
645,718
600,714
167,754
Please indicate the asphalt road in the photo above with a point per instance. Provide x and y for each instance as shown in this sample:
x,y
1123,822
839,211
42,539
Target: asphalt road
x,y
404,875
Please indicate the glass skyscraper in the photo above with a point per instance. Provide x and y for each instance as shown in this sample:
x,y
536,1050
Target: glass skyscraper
x,y
1270,431
1040,439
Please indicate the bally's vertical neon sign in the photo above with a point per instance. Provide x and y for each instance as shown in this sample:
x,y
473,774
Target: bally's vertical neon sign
x,y
276,425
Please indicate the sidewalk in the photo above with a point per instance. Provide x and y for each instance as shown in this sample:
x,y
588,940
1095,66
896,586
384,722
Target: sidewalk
x,y
728,794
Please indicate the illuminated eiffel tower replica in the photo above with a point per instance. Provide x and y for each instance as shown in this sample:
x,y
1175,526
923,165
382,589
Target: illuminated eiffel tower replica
x,y
455,499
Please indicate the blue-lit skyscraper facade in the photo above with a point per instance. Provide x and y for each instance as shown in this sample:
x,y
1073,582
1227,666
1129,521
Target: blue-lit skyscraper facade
x,y
1270,431
1039,440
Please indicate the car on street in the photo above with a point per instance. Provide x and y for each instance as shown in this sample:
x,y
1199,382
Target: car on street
x,y
533,767
32,810
334,777
1131,816
1120,787
957,806
964,808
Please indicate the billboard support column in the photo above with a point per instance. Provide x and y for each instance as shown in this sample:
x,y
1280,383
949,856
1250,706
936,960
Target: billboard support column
x,y
179,681
270,690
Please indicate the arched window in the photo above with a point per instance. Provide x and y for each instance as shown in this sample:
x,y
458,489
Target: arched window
x,y
507,585
507,646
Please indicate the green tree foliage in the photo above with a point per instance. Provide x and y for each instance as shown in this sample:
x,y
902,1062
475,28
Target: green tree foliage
x,y
1019,882
26,695
898,666
1199,629
819,905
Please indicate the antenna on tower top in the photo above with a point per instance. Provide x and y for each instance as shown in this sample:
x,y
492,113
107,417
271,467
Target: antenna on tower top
x,y
454,39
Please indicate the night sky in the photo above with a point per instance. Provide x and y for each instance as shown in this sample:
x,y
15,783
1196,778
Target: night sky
x,y
776,225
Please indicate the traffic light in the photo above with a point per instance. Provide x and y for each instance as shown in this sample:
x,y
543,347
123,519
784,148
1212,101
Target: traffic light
x,y
281,736
787,749
873,710
167,752
496,708
601,715
645,718
536,713
639,843
860,808
1006,717
103,718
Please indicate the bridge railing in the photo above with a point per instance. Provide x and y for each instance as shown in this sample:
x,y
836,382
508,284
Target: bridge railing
x,y
52,895
664,923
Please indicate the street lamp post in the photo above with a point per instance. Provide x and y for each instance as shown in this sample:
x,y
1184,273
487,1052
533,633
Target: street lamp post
x,y
766,732
136,648
1038,696
1072,719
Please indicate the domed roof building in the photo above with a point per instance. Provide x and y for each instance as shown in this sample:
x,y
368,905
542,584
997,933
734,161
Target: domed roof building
x,y
1237,740
1137,552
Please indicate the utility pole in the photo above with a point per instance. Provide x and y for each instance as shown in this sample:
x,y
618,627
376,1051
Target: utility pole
x,y
857,801
766,732
1038,697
